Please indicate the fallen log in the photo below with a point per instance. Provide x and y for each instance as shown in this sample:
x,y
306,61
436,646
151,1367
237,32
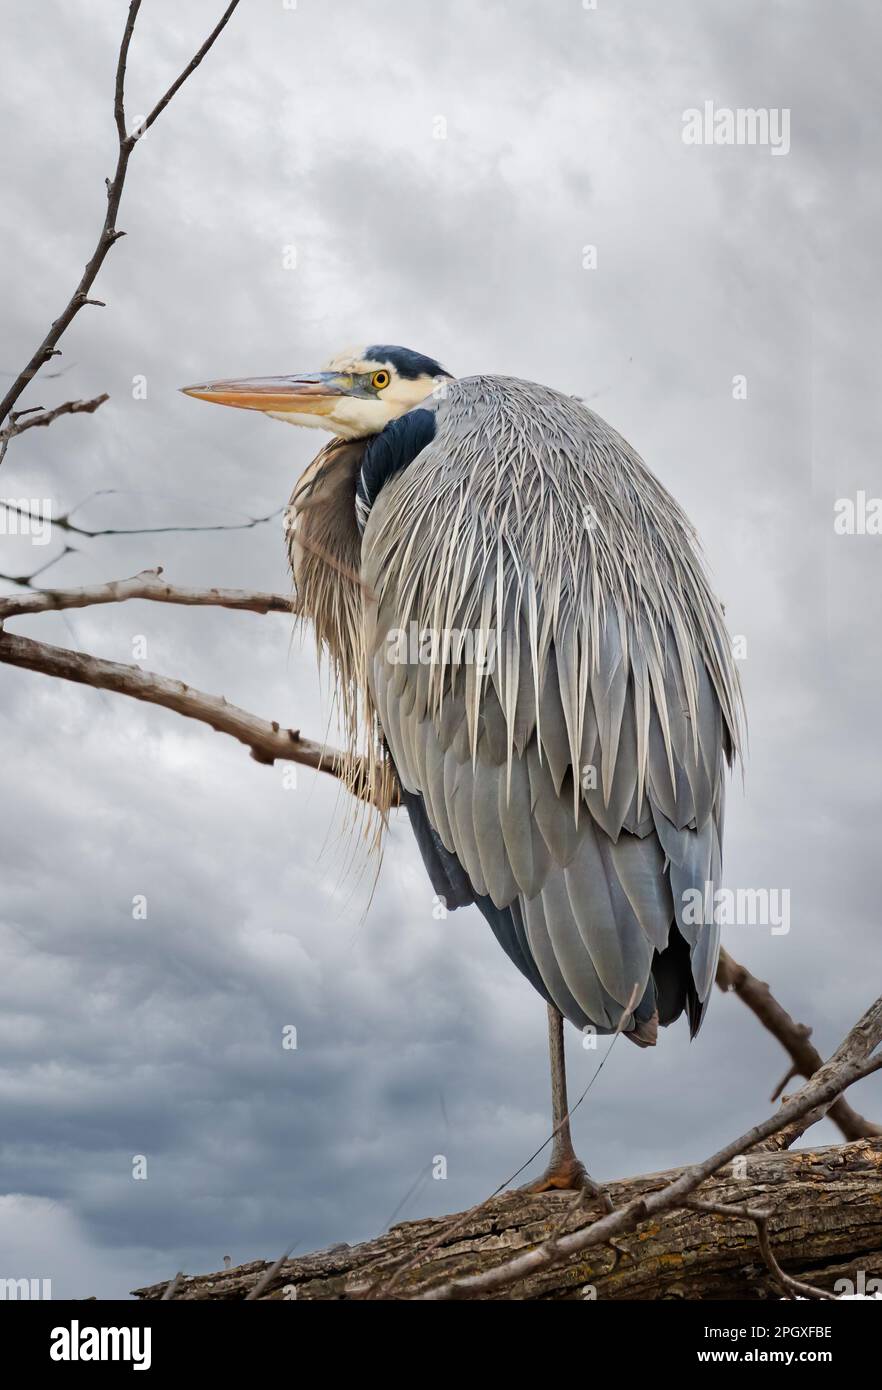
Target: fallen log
x,y
825,1226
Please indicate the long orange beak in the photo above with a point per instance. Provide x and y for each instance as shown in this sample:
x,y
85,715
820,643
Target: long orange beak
x,y
313,393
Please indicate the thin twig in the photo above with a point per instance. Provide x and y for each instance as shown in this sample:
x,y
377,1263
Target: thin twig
x,y
172,1287
458,1222
37,416
64,523
267,1277
109,233
146,585
268,741
26,581
790,1287
190,68
793,1036
119,94
851,1065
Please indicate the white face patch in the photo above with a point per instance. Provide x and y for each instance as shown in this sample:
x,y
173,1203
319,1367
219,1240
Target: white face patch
x,y
296,417
355,417
352,417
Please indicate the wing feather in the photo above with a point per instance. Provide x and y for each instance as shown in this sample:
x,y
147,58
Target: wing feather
x,y
576,780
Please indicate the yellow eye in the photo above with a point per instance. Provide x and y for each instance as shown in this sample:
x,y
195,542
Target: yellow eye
x,y
380,379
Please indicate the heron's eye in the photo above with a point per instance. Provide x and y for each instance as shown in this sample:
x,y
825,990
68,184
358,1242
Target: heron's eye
x,y
380,379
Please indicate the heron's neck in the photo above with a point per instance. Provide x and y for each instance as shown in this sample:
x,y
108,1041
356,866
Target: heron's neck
x,y
388,452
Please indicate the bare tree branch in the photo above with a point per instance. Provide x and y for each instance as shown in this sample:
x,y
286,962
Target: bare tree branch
x,y
38,416
64,523
269,1276
590,1188
736,978
173,1286
848,1064
26,581
267,740
109,233
119,93
790,1287
853,1051
826,1224
146,585
190,68
47,376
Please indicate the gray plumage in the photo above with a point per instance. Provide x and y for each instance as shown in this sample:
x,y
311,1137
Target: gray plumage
x,y
572,786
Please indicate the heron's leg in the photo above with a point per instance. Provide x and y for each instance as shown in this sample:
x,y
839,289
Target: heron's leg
x,y
564,1169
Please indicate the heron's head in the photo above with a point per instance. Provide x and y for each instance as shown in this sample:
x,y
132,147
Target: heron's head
x,y
356,395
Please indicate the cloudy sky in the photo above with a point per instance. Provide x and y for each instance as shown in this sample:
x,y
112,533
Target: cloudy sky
x,y
316,127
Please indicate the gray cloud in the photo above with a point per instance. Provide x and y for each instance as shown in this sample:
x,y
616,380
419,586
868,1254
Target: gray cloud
x,y
314,128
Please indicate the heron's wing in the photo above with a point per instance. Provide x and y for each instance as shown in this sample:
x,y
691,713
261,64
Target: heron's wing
x,y
586,904
561,745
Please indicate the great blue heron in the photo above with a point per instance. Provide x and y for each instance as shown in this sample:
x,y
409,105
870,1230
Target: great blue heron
x,y
528,653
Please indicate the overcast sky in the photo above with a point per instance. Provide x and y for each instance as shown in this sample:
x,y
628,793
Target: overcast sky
x,y
315,128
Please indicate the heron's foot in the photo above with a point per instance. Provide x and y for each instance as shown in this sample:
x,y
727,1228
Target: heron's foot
x,y
565,1174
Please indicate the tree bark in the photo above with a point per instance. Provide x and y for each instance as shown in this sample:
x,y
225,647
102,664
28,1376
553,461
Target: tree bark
x,y
826,1224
